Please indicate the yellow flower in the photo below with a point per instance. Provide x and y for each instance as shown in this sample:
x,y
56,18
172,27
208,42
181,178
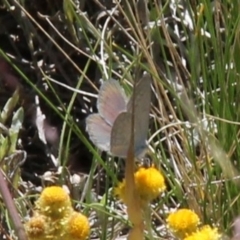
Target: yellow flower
x,y
35,227
183,222
54,202
149,184
205,233
77,227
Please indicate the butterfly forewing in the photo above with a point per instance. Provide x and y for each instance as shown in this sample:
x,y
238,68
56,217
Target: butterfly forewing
x,y
142,103
111,101
120,135
99,131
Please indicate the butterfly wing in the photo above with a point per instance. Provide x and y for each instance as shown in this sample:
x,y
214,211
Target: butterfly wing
x,y
111,101
99,131
142,105
120,135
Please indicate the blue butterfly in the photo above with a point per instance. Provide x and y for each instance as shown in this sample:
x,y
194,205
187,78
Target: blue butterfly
x,y
110,128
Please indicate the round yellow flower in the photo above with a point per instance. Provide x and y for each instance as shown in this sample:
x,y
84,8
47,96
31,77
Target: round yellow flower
x,y
77,227
54,202
149,184
35,227
183,222
205,233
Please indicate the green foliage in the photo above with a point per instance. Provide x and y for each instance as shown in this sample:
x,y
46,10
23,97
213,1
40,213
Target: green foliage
x,y
194,130
10,157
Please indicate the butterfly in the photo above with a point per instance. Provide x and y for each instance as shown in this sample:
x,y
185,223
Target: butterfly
x,y
110,128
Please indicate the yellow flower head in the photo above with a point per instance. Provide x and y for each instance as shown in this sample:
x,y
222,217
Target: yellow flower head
x,y
54,202
149,184
183,222
35,227
77,227
205,233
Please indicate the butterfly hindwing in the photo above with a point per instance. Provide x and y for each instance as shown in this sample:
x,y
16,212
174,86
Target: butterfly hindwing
x,y
99,131
120,135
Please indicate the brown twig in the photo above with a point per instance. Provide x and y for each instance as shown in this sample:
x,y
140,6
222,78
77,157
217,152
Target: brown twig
x,y
7,199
